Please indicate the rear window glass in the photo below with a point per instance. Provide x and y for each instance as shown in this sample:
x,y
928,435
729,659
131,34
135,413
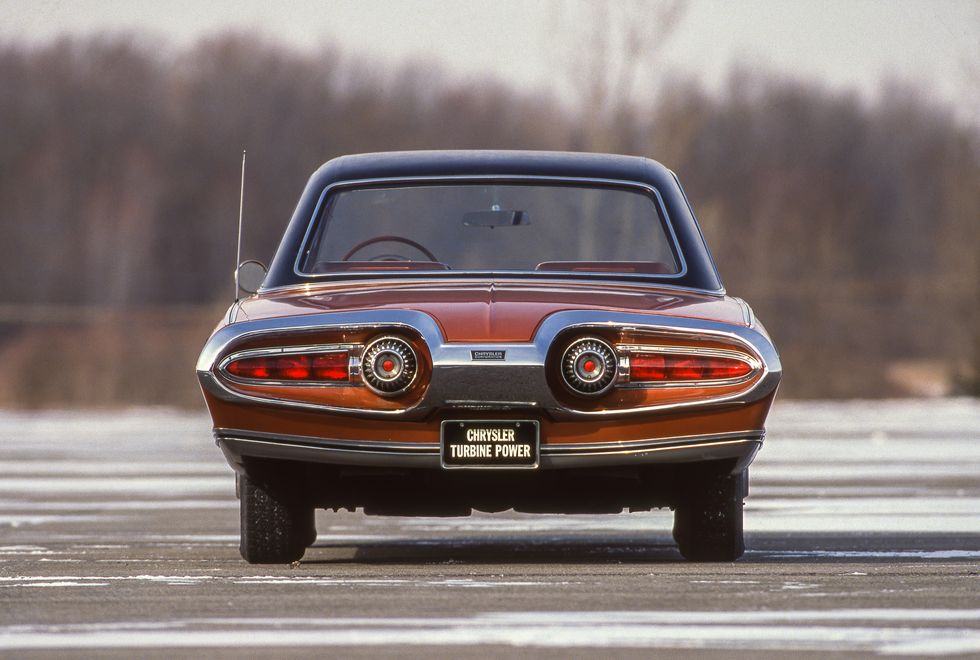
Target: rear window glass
x,y
490,227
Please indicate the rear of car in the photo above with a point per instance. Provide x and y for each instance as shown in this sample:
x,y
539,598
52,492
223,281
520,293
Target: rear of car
x,y
449,331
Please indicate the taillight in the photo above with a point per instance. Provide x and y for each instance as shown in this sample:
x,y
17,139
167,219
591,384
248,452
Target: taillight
x,y
588,366
310,367
389,365
668,367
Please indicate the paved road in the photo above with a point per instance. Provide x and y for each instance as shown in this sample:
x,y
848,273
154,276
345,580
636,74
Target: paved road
x,y
118,537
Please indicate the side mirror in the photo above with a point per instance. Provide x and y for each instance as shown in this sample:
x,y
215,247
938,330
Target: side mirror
x,y
250,275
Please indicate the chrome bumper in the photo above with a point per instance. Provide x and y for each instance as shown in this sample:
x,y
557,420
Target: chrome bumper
x,y
741,446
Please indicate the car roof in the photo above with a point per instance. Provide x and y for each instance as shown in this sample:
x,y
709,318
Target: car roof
x,y
491,162
700,272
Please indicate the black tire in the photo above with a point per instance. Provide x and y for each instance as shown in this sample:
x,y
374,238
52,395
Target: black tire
x,y
708,521
275,527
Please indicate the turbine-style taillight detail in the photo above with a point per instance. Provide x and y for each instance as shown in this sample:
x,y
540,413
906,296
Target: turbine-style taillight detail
x,y
331,367
389,365
674,367
588,366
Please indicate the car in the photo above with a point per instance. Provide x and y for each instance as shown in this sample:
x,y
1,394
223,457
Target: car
x,y
447,331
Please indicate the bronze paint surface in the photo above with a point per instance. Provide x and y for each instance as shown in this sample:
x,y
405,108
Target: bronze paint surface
x,y
492,311
486,311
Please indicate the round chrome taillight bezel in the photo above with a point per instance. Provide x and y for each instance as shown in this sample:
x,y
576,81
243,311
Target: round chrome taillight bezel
x,y
589,366
389,365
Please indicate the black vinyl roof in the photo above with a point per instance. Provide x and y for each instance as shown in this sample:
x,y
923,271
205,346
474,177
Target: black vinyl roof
x,y
700,273
524,163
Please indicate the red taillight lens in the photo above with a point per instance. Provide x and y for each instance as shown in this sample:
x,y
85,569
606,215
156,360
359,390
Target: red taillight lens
x,y
657,367
687,368
294,367
647,367
719,368
257,367
331,366
323,367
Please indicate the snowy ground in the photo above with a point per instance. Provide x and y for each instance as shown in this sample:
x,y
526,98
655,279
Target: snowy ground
x,y
118,531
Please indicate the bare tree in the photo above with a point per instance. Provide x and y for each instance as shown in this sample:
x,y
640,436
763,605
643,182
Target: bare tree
x,y
610,52
851,226
610,55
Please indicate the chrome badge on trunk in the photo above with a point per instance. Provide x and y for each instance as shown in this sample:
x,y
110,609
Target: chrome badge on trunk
x,y
488,355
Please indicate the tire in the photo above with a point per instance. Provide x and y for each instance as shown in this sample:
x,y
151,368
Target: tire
x,y
708,522
274,527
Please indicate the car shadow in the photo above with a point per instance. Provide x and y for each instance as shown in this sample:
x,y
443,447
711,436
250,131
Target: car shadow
x,y
500,549
651,549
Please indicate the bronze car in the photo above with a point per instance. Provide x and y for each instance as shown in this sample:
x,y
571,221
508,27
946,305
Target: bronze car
x,y
448,331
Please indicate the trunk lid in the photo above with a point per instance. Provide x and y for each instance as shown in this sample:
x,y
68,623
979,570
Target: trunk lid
x,y
493,310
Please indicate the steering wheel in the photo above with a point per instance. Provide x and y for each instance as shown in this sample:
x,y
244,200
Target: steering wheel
x,y
394,239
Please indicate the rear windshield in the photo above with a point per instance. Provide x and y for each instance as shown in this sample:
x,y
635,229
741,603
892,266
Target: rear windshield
x,y
490,227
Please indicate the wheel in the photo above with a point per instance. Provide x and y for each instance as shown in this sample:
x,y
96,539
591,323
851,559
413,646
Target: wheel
x,y
708,521
276,529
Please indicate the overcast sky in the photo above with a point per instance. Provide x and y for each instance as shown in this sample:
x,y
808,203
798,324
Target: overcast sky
x,y
844,43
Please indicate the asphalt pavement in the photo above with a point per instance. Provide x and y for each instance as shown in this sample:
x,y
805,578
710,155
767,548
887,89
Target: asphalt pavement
x,y
119,532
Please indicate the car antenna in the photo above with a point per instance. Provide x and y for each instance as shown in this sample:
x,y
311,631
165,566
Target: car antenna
x,y
241,210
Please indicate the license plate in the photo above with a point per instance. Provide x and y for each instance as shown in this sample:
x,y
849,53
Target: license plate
x,y
490,444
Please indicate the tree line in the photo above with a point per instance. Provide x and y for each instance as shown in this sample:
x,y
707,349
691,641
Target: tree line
x,y
852,226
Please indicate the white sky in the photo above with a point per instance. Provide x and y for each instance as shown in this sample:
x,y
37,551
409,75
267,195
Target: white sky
x,y
843,43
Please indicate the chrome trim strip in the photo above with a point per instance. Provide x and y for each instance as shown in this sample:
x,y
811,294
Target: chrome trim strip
x,y
479,404
353,350
500,278
743,450
747,314
520,377
459,178
741,446
243,446
347,445
217,388
234,311
630,446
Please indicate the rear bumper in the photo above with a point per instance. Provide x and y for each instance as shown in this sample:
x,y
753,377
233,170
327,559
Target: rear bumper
x,y
741,446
